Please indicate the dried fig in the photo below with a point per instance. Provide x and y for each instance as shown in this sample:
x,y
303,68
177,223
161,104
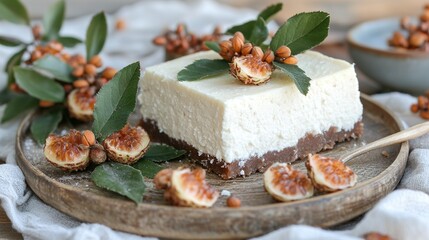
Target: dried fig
x,y
127,145
329,174
67,152
250,69
80,103
287,184
187,188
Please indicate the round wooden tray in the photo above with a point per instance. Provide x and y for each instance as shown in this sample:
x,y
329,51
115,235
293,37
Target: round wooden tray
x,y
75,194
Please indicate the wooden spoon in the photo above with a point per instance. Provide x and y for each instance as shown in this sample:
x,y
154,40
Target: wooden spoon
x,y
402,136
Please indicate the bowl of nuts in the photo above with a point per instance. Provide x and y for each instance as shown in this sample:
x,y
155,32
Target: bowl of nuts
x,y
393,52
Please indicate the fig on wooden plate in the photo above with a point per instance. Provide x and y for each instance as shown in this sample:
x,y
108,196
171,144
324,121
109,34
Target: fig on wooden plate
x,y
329,174
67,152
186,187
287,184
250,69
80,103
127,145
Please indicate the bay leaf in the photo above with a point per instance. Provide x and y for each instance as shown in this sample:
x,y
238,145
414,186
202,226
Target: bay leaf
x,y
298,76
120,178
203,68
38,86
43,125
14,11
302,32
53,20
55,66
115,101
96,34
162,153
18,105
148,168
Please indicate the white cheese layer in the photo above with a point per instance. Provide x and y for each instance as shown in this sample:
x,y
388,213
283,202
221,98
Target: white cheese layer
x,y
222,117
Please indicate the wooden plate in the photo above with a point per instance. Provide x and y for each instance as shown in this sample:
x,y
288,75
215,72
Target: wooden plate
x,y
75,194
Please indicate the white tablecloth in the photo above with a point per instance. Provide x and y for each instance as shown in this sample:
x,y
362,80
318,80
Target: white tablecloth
x,y
403,214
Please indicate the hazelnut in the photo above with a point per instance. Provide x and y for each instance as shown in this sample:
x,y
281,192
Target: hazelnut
x,y
291,60
283,52
237,44
109,73
233,202
96,61
268,56
160,40
376,236
36,30
80,83
88,138
45,104
424,114
417,39
422,102
257,52
90,69
414,108
120,24
246,49
97,154
240,36
78,71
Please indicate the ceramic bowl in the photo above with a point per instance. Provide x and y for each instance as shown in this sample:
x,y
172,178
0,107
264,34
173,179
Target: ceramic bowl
x,y
398,69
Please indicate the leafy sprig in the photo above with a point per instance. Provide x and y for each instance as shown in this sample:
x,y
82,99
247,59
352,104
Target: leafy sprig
x,y
300,33
128,180
45,78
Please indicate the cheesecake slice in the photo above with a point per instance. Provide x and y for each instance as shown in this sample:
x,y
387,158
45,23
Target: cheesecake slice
x,y
235,129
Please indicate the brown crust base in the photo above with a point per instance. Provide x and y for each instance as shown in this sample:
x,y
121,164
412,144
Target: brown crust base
x,y
306,145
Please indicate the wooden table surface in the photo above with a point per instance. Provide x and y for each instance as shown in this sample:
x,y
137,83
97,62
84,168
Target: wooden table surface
x,y
335,50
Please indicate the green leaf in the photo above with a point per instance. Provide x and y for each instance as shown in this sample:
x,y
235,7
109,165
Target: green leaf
x,y
9,42
53,19
96,35
245,28
115,101
68,41
6,96
56,67
302,32
270,11
259,32
14,60
248,28
13,11
38,86
212,45
203,68
298,76
43,125
119,178
162,153
18,105
148,168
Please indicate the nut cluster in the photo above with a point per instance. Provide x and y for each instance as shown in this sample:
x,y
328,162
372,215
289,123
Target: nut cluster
x,y
75,150
285,183
237,46
418,35
250,64
421,107
182,42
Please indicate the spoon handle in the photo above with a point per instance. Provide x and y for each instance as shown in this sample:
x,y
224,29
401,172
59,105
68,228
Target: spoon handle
x,y
402,136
